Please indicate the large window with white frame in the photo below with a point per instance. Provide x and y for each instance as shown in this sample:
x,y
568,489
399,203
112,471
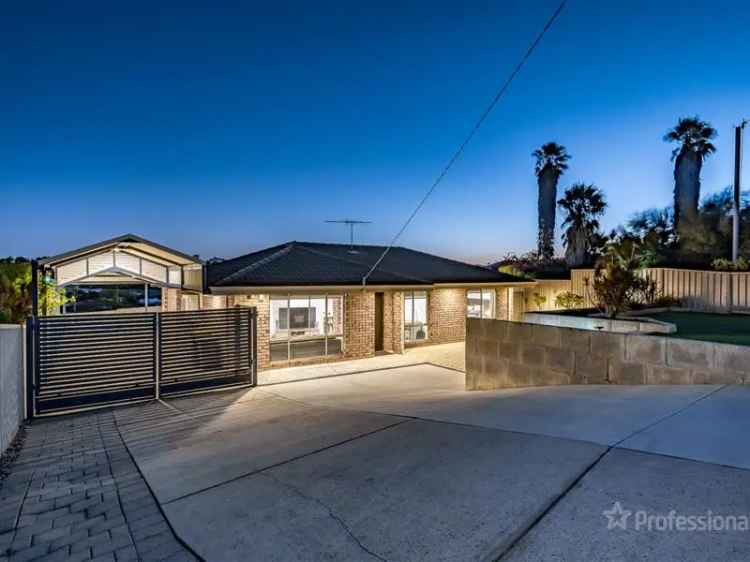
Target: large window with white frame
x,y
306,326
480,303
415,316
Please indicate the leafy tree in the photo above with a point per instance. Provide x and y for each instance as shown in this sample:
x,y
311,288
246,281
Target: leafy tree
x,y
694,137
654,228
583,205
15,295
551,162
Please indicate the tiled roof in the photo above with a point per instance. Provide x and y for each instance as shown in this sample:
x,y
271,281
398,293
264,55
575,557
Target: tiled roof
x,y
309,263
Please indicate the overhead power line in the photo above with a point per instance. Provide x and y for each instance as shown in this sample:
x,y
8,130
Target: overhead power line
x,y
467,140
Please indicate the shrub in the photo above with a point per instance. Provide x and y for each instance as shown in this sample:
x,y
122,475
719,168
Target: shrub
x,y
723,264
568,300
617,280
539,300
665,301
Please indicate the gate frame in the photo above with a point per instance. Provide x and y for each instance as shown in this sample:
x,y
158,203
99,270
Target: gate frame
x,y
33,349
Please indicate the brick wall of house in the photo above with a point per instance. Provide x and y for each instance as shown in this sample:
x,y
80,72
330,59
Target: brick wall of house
x,y
262,303
388,321
397,316
446,315
359,324
502,311
393,322
213,302
171,300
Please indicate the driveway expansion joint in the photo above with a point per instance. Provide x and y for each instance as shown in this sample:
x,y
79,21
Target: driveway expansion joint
x,y
547,510
286,461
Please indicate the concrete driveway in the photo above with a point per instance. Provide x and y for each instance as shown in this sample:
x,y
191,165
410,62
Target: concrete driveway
x,y
403,464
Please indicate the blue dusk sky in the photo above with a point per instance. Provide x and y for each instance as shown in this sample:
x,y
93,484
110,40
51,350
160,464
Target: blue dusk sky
x,y
218,128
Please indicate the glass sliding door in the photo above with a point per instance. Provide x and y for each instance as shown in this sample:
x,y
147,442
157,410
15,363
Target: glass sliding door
x,y
415,316
306,326
480,303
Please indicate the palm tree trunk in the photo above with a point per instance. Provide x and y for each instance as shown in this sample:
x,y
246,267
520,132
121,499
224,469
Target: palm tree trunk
x,y
687,186
576,251
547,205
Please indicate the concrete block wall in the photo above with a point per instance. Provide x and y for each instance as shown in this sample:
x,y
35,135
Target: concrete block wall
x,y
501,354
11,382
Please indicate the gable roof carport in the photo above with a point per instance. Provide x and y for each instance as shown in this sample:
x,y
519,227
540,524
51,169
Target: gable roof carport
x,y
126,259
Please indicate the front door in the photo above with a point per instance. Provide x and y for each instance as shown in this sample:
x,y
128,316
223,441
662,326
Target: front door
x,y
378,321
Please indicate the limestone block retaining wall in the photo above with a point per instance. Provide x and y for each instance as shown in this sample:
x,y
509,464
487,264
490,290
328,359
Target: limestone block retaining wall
x,y
11,382
646,326
502,354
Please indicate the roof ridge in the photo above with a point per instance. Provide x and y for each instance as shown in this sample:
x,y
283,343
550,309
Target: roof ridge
x,y
256,264
364,264
280,246
338,244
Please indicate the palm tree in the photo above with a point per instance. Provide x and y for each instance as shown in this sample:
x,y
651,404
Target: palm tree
x,y
551,162
695,145
583,205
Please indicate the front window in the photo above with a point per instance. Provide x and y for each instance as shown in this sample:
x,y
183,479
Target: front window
x,y
306,326
480,303
415,316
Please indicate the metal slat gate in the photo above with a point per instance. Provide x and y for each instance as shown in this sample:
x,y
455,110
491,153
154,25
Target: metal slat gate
x,y
84,361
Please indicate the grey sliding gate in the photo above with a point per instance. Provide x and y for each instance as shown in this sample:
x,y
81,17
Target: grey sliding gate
x,y
83,361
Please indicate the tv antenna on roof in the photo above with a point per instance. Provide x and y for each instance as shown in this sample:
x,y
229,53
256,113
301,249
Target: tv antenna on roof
x,y
351,223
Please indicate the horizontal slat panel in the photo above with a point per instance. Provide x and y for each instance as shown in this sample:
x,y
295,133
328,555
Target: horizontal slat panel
x,y
96,369
73,390
205,351
82,380
97,360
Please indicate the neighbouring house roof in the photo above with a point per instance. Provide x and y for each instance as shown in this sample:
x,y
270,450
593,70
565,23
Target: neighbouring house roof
x,y
317,264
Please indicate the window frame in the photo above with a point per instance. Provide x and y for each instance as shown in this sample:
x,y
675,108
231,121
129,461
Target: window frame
x,y
482,291
290,339
413,295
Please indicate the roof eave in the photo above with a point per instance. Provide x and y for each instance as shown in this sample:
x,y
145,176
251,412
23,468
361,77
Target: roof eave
x,y
243,289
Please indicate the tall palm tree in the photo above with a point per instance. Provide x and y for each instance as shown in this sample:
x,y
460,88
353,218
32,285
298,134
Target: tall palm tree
x,y
551,162
583,205
694,138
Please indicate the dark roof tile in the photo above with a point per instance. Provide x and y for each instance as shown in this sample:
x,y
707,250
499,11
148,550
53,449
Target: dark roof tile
x,y
309,263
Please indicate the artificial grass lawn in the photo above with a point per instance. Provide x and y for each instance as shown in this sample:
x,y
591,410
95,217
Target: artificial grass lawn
x,y
722,328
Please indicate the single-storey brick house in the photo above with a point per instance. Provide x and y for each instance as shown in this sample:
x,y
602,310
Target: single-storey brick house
x,y
312,303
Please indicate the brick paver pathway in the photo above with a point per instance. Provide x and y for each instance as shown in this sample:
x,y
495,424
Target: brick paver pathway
x,y
74,493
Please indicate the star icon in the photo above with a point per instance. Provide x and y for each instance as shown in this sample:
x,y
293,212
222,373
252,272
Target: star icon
x,y
617,517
